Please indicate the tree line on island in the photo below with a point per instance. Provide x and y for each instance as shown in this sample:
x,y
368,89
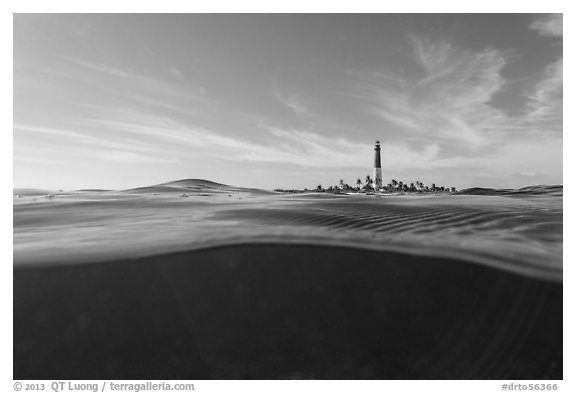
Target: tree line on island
x,y
368,186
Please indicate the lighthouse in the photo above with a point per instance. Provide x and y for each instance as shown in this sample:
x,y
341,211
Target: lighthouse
x,y
377,167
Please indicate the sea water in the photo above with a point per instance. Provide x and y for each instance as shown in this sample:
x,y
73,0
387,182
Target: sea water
x,y
517,230
196,280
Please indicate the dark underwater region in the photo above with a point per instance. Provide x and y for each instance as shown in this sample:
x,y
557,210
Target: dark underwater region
x,y
283,312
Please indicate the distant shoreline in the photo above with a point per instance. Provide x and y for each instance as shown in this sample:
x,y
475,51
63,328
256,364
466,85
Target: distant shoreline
x,y
200,185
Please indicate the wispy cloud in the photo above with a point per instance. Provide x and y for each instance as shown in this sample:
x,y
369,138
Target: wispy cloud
x,y
106,148
167,137
49,131
545,102
290,100
127,157
447,110
123,82
456,77
548,25
168,134
35,160
447,101
306,148
175,72
100,67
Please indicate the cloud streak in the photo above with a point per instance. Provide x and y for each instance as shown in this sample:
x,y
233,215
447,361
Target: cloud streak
x,y
545,102
549,25
447,101
108,149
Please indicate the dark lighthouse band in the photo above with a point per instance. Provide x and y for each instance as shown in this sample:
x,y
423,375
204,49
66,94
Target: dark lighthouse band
x,y
377,167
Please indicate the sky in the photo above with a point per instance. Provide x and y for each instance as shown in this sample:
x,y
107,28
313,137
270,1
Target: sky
x,y
286,100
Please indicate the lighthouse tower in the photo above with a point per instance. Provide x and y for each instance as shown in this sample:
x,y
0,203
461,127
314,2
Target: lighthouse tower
x,y
377,167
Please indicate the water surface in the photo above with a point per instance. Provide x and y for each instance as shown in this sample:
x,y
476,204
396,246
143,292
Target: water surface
x,y
517,230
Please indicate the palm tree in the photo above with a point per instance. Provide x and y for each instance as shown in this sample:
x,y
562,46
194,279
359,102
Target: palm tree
x,y
359,183
433,187
368,179
394,183
341,183
412,187
400,185
368,185
319,188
